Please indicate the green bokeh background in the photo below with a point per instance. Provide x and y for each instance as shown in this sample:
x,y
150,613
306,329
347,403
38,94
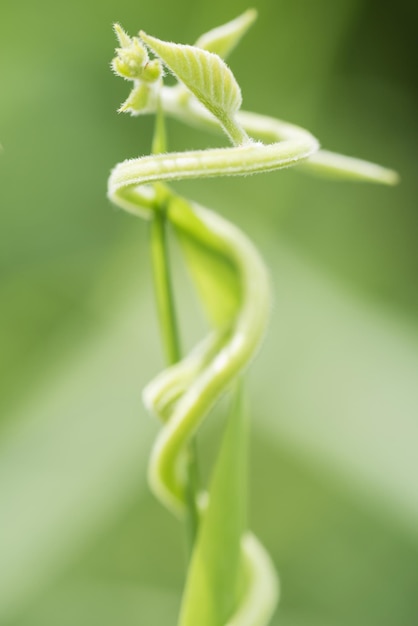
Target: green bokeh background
x,y
334,464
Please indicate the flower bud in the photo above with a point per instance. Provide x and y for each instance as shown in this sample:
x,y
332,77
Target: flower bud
x,y
132,63
152,71
138,100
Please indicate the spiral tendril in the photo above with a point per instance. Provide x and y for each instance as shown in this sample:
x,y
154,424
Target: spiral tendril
x,y
183,394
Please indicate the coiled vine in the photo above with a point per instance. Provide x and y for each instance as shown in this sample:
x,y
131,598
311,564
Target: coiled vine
x,y
231,579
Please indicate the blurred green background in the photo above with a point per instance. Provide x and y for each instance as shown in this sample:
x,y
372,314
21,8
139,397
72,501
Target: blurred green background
x,y
334,490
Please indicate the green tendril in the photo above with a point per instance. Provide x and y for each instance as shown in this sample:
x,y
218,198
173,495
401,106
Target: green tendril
x,y
207,96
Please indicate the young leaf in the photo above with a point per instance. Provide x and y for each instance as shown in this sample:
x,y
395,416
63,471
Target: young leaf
x,y
204,73
223,39
215,575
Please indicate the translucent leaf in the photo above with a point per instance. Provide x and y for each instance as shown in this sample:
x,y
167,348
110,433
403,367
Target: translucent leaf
x,y
204,73
214,579
223,39
72,454
212,271
348,372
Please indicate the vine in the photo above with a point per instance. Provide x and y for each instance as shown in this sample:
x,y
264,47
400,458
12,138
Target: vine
x,y
239,587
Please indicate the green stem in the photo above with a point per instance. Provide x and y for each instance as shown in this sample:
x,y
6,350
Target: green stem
x,y
235,131
163,289
171,343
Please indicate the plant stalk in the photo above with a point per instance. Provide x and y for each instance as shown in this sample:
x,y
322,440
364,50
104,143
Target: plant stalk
x,y
171,343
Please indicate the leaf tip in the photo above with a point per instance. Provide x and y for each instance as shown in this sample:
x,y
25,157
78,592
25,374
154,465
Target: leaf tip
x,y
122,36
